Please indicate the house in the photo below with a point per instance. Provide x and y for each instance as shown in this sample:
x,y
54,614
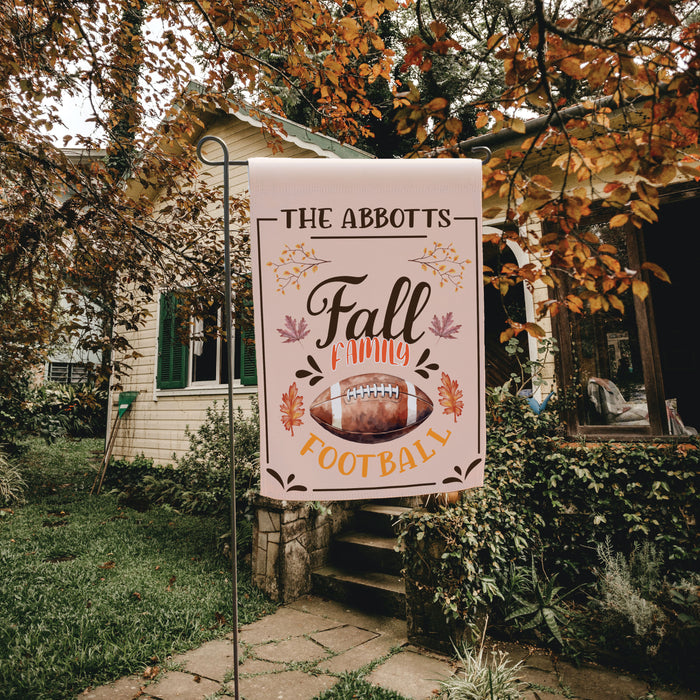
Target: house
x,y
630,375
625,376
176,382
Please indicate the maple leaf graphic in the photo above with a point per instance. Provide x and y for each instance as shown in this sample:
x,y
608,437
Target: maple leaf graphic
x,y
294,331
450,396
291,408
444,328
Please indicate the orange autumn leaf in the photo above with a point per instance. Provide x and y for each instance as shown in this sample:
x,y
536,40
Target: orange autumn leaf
x,y
450,396
291,408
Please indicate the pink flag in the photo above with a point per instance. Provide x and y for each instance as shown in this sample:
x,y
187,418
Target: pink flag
x,y
367,287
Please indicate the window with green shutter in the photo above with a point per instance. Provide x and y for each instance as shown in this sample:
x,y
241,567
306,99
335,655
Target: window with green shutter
x,y
208,365
173,355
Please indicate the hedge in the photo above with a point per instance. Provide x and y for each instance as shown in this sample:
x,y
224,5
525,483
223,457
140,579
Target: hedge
x,y
546,496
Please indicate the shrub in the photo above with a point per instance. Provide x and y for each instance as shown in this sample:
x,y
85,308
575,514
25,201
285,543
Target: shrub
x,y
72,410
12,485
554,499
471,545
200,480
577,494
647,615
205,467
482,535
628,589
129,479
15,393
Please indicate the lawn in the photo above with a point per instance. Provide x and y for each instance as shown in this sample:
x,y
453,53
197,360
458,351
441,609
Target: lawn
x,y
91,590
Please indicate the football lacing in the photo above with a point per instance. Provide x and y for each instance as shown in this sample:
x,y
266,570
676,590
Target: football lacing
x,y
389,391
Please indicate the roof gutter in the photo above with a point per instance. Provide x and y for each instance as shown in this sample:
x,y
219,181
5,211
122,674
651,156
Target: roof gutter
x,y
497,138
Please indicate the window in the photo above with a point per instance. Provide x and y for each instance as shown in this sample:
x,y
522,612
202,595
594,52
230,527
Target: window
x,y
636,373
68,372
201,361
208,359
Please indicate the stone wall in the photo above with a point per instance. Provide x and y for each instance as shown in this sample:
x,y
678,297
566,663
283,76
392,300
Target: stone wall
x,y
290,539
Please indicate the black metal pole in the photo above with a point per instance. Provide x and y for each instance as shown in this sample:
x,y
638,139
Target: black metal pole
x,y
226,164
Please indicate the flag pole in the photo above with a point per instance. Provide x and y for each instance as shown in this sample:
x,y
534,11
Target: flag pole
x,y
225,164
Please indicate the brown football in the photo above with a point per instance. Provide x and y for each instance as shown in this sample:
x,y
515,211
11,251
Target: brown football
x,y
371,408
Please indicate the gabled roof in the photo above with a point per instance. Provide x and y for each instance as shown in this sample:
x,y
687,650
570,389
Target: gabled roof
x,y
84,155
290,132
303,137
295,133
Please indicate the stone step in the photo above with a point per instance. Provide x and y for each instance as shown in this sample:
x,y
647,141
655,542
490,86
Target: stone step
x,y
370,590
403,501
379,518
366,551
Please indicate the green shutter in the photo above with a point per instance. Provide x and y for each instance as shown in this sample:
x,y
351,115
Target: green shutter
x,y
172,353
248,367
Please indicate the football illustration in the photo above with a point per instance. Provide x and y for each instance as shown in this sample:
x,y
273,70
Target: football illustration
x,y
371,408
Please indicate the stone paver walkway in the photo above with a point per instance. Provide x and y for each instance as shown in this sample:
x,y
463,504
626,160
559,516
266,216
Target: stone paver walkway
x,y
299,652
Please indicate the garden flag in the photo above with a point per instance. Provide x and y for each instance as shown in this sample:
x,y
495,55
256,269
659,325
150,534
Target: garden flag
x,y
367,289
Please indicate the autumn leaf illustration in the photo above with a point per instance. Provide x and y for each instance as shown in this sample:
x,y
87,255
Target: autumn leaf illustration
x,y
444,328
294,331
291,408
450,397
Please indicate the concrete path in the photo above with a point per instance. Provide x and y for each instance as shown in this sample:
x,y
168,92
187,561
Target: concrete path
x,y
300,651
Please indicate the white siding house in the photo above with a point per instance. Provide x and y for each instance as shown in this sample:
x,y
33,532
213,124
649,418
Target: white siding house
x,y
174,390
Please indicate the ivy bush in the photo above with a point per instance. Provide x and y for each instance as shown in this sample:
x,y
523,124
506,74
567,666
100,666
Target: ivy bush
x,y
485,531
554,500
628,494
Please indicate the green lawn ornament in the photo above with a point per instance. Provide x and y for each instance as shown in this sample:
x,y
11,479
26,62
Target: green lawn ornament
x,y
126,398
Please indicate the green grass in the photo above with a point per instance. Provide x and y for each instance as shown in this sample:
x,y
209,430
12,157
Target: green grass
x,y
64,470
91,591
351,685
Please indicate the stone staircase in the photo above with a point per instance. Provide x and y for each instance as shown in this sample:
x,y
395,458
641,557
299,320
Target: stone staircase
x,y
364,566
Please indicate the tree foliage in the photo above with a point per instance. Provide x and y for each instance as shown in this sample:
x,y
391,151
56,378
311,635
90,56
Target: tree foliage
x,y
615,86
81,235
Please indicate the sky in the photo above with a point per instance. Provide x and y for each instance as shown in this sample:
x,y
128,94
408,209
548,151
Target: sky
x,y
75,112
